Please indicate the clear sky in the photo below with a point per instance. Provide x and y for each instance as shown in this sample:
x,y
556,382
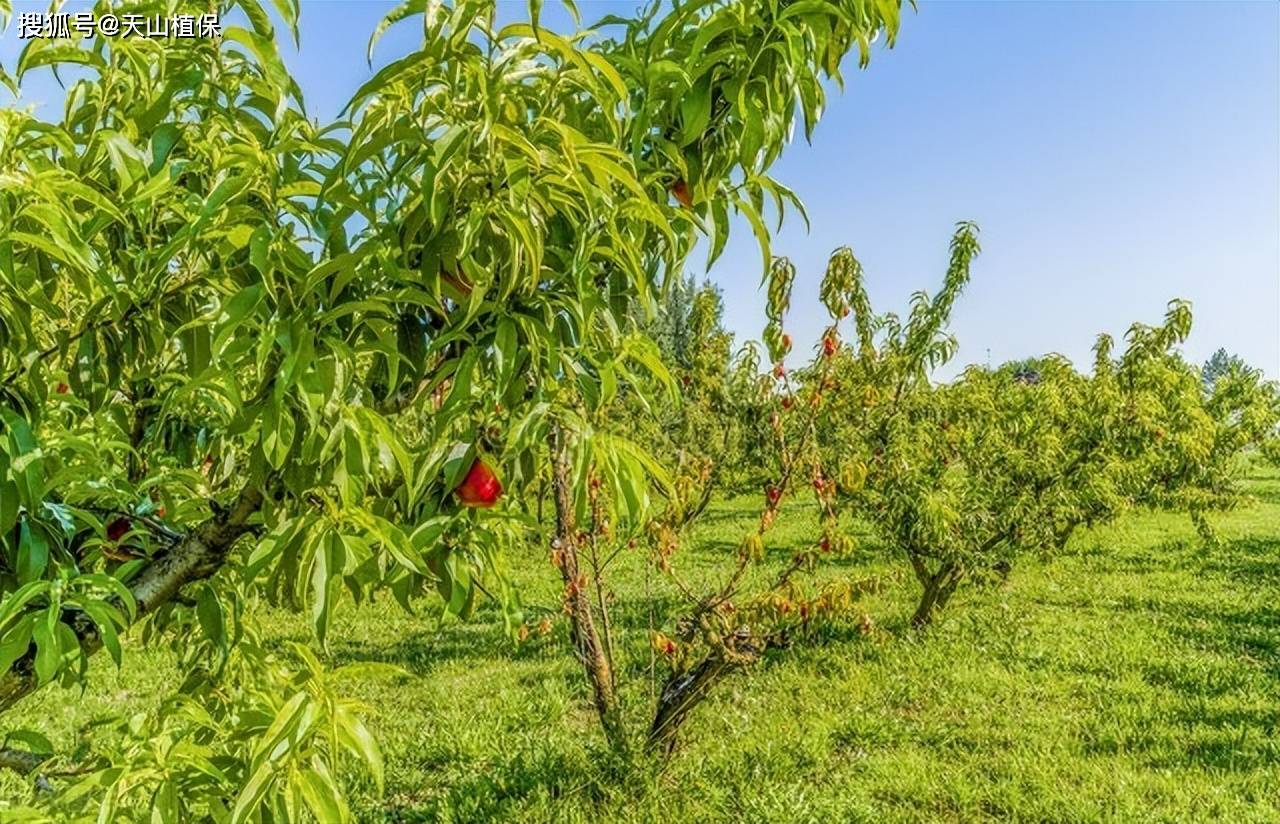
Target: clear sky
x,y
1115,154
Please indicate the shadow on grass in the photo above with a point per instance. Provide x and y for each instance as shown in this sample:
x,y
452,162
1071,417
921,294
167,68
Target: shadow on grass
x,y
1251,560
1252,565
1173,554
422,651
721,514
1253,632
501,790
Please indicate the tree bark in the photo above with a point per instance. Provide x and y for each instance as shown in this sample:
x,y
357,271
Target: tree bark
x,y
586,637
199,555
682,692
19,761
938,588
686,690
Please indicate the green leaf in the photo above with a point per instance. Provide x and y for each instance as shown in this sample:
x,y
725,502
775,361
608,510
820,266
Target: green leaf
x,y
322,794
255,789
745,208
40,52
356,737
456,466
106,618
211,618
13,602
400,12
285,723
695,111
163,139
278,430
33,741
15,641
33,552
48,650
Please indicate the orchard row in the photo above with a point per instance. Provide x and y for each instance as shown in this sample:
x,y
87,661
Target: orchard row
x,y
248,357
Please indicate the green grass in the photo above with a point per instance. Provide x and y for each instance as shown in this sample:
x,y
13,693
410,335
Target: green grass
x,y
1136,678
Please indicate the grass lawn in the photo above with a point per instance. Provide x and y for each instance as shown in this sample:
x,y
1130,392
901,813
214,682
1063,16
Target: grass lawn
x,y
1135,679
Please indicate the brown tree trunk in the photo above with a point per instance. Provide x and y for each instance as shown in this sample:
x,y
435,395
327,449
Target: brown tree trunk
x,y
197,556
586,637
682,692
938,588
685,690
19,761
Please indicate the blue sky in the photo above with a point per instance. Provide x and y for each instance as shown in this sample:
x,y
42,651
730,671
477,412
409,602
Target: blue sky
x,y
1115,154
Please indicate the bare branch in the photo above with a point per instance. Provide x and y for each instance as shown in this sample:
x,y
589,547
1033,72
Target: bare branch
x,y
20,761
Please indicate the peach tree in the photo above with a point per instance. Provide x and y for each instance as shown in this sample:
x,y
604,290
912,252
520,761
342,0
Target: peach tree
x,y
245,355
751,601
964,477
716,89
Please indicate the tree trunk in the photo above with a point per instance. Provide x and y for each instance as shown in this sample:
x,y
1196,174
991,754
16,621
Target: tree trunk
x,y
197,556
23,763
938,588
685,690
586,637
949,588
682,692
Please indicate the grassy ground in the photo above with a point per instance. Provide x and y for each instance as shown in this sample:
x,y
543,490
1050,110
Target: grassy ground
x,y
1135,679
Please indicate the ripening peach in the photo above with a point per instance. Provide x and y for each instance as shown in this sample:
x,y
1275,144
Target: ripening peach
x,y
118,528
481,488
680,189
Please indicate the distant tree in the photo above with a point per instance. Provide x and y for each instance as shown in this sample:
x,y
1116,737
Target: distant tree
x,y
705,436
669,326
1027,371
965,477
1219,364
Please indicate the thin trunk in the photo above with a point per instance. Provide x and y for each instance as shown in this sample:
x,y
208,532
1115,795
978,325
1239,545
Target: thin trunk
x,y
938,588
602,603
608,637
590,648
949,588
681,693
199,555
686,690
928,602
23,763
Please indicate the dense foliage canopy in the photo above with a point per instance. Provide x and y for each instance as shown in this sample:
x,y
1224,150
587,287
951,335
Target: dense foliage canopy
x,y
219,319
961,477
247,357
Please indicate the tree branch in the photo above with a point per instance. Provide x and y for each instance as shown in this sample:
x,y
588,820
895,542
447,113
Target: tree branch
x,y
198,556
20,761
